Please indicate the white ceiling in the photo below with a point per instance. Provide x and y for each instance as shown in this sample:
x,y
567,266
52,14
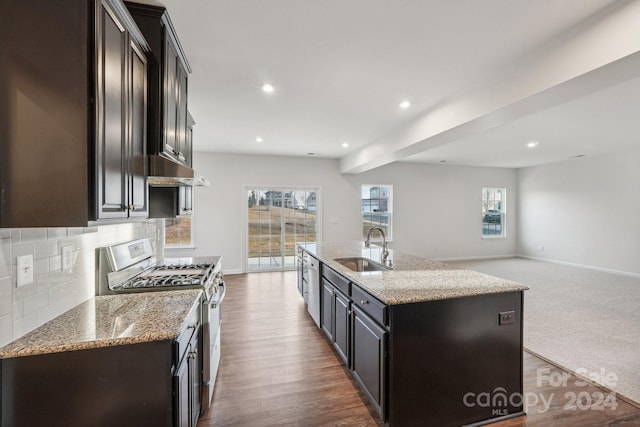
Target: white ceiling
x,y
603,122
341,67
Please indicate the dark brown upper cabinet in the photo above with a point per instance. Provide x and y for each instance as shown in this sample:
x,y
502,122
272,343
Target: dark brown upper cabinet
x,y
73,113
121,118
168,83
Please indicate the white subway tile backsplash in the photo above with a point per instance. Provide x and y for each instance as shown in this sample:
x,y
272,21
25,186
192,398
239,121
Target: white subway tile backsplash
x,y
73,242
33,235
25,324
5,257
6,330
56,233
52,311
23,292
18,309
48,280
46,249
42,266
36,302
6,296
21,250
55,263
74,231
54,291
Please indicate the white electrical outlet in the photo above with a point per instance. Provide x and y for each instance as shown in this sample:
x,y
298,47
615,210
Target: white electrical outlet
x,y
25,270
67,258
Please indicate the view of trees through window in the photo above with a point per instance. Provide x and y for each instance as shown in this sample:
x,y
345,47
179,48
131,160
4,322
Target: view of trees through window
x,y
278,218
376,206
493,211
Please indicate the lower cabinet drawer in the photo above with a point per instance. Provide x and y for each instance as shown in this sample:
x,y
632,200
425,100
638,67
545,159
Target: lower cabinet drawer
x,y
370,305
336,279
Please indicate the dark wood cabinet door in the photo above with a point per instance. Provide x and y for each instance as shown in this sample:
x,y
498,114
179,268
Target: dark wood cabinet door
x,y
111,126
171,98
194,383
368,356
138,131
187,148
181,398
181,112
326,308
341,326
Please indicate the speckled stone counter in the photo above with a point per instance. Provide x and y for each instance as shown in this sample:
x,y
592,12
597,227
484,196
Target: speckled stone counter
x,y
108,321
413,279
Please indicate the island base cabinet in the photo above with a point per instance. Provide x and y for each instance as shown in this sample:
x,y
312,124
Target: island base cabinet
x,y
341,333
126,385
452,363
335,319
186,384
368,357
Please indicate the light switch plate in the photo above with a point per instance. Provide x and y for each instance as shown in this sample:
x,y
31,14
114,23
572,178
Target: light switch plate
x,y
67,257
25,270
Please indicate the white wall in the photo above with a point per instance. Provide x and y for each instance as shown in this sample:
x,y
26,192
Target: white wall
x,y
585,211
219,210
54,291
437,207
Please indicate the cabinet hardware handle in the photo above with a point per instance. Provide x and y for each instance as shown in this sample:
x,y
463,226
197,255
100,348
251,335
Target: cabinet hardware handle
x,y
364,301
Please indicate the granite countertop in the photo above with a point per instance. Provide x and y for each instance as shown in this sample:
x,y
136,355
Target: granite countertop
x,y
110,320
413,279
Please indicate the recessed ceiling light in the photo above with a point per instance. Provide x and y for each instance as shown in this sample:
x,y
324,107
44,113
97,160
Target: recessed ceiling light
x,y
345,144
259,139
533,144
405,104
268,88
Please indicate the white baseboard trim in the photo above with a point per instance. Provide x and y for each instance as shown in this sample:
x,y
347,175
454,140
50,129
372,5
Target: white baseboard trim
x,y
474,258
229,272
583,266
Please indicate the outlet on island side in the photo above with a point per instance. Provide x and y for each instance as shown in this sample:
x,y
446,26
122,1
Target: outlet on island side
x,y
506,318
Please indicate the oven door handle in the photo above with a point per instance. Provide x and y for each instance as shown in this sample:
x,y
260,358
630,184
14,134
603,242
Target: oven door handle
x,y
222,295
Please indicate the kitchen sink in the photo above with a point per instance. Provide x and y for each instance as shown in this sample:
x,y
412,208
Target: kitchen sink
x,y
359,264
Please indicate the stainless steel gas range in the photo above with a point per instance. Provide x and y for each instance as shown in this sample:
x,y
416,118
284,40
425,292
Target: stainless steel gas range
x,y
132,267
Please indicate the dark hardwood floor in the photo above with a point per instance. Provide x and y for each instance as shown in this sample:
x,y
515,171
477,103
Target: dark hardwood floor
x,y
277,369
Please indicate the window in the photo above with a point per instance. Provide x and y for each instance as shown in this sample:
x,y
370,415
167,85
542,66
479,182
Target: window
x,y
376,206
177,232
493,212
277,219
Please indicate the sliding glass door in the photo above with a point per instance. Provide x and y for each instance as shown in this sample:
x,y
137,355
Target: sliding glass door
x,y
278,218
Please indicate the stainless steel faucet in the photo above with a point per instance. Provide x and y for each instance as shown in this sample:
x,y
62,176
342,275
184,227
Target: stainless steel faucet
x,y
385,249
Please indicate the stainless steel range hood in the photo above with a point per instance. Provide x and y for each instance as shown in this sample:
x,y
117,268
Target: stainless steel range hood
x,y
164,172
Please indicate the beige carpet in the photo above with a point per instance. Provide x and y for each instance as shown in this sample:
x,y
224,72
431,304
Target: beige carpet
x,y
578,318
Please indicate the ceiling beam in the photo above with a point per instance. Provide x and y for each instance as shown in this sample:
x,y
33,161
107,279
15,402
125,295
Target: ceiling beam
x,y
601,52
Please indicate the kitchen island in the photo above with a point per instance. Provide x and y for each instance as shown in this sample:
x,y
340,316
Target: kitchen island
x,y
430,344
112,360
